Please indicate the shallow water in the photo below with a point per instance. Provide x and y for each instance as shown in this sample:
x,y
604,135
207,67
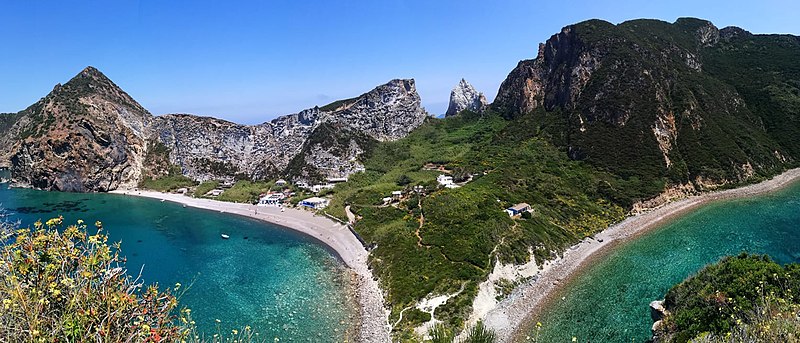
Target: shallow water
x,y
280,283
609,301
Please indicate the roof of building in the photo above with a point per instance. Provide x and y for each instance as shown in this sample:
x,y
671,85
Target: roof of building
x,y
315,200
520,207
397,193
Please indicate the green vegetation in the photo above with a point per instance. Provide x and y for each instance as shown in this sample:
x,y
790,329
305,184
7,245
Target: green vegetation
x,y
477,334
245,191
446,240
748,297
166,183
205,187
336,104
65,284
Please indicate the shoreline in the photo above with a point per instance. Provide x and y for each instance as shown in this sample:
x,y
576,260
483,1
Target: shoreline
x,y
334,236
512,317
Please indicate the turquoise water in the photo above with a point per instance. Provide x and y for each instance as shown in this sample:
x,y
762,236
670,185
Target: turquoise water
x,y
609,301
280,283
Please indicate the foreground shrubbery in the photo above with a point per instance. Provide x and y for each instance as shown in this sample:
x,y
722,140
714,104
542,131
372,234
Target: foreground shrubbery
x,y
64,284
746,298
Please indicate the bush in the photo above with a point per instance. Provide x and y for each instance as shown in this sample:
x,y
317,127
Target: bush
x,y
731,296
73,286
65,285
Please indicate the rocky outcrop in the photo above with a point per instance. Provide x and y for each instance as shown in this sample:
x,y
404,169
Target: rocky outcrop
x,y
637,96
86,135
89,135
209,148
465,97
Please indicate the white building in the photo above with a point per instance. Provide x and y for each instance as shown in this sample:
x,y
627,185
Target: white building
x,y
280,182
273,199
446,181
314,203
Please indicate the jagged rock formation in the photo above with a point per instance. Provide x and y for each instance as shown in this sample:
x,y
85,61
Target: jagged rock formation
x,y
654,100
89,135
465,97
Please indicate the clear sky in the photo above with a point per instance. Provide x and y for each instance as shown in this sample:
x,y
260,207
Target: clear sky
x,y
250,61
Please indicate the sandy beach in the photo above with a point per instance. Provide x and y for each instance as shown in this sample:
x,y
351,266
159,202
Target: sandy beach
x,y
511,316
337,237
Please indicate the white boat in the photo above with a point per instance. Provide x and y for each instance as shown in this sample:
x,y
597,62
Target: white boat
x,y
224,236
162,200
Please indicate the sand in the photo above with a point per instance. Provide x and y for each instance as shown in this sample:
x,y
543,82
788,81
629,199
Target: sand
x,y
337,237
509,318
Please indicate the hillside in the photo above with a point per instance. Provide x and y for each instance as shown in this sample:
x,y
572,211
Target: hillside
x,y
681,103
745,298
607,119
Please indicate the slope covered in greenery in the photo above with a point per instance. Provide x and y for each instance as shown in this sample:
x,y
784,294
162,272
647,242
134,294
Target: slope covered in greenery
x,y
445,240
662,102
746,298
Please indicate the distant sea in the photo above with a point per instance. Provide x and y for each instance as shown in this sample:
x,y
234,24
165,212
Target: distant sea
x,y
276,281
608,301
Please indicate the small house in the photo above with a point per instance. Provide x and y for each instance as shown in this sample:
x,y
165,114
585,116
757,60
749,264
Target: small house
x,y
444,180
518,209
314,203
321,187
396,195
280,182
387,200
272,199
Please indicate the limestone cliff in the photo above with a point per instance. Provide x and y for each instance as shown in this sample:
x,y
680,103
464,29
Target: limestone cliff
x,y
89,135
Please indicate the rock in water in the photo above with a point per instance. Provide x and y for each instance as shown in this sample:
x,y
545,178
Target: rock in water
x,y
465,97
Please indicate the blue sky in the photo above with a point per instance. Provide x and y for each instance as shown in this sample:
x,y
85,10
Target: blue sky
x,y
250,61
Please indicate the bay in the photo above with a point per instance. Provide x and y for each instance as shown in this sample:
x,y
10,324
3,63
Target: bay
x,y
281,283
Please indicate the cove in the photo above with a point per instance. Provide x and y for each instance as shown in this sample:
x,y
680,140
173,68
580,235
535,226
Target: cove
x,y
279,282
608,300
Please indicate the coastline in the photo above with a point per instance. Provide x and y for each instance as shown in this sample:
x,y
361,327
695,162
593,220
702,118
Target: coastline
x,y
511,318
373,317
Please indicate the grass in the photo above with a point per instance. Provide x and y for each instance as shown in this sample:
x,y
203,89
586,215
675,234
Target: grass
x,y
245,191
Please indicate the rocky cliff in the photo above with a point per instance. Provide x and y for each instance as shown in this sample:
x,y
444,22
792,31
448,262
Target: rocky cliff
x,y
89,135
651,100
465,97
86,135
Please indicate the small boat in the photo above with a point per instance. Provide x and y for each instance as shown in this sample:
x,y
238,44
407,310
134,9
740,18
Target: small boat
x,y
224,236
163,200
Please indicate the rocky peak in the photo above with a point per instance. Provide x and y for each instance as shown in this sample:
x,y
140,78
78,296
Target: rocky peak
x,y
465,97
388,112
732,32
706,33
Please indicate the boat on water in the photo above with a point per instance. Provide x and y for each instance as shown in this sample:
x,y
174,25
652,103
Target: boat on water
x,y
162,200
224,236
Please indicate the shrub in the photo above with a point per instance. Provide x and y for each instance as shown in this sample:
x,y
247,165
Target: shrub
x,y
73,286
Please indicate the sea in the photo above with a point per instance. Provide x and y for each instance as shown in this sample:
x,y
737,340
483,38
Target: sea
x,y
280,283
609,300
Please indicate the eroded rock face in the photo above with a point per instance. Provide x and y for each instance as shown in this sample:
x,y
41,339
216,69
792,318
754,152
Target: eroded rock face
x,y
210,148
86,135
89,135
638,94
465,97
